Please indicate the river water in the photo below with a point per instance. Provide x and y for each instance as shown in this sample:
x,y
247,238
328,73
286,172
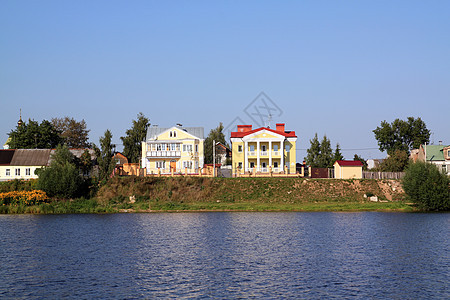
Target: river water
x,y
229,255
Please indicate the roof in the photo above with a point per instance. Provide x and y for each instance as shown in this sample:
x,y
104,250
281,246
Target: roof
x,y
435,152
30,157
242,134
6,157
349,163
153,132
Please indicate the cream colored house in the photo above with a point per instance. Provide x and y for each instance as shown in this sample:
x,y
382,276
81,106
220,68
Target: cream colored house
x,y
263,150
173,150
22,163
348,169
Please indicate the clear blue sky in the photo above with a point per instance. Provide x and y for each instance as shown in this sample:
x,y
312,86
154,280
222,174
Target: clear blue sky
x,y
333,67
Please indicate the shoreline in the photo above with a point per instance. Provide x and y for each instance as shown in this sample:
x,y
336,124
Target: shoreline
x,y
92,206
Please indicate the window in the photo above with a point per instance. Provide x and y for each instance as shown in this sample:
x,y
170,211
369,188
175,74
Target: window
x,y
8,172
196,148
173,147
17,172
161,164
158,147
263,147
264,165
187,164
275,164
444,168
240,149
28,171
163,147
252,165
275,147
252,148
240,165
174,134
448,153
288,147
170,134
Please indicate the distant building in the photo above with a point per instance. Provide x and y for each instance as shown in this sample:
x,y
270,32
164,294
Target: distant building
x,y
173,150
373,163
438,155
348,169
22,163
263,150
223,153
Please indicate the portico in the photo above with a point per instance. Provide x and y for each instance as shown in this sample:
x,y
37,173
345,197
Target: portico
x,y
263,150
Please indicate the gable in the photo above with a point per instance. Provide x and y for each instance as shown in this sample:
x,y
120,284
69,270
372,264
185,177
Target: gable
x,y
264,134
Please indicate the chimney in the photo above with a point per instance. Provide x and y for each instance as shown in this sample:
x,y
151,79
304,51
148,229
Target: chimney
x,y
244,128
280,127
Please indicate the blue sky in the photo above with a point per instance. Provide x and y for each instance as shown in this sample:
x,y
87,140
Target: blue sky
x,y
333,67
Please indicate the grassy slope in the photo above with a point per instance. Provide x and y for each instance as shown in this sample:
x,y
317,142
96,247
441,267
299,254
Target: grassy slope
x,y
229,194
250,194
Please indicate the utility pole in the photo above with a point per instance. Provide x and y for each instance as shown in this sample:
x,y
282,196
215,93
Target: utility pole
x,y
214,158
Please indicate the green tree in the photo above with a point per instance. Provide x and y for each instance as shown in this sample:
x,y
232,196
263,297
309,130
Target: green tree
x,y
320,154
74,133
426,186
313,153
104,155
356,157
337,154
132,142
34,135
216,135
401,135
86,162
62,178
326,153
396,162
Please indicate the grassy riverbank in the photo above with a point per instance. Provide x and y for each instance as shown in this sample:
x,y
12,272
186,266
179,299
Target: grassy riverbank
x,y
135,194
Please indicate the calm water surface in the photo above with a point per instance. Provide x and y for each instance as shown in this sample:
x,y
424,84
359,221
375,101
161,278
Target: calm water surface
x,y
226,256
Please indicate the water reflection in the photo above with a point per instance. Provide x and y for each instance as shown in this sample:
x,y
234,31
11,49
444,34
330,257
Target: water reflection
x,y
225,255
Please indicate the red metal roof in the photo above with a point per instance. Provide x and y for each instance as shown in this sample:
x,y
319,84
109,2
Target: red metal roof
x,y
349,163
242,134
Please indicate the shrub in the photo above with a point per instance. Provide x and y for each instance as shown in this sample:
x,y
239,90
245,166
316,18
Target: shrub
x,y
62,178
426,186
25,198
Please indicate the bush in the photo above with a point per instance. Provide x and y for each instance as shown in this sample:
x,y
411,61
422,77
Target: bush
x,y
426,186
62,178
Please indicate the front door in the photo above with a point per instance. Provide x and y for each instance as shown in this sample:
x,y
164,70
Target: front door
x,y
173,166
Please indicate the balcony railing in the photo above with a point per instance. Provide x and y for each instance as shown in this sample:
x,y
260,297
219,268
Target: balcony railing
x,y
276,153
163,153
251,153
264,153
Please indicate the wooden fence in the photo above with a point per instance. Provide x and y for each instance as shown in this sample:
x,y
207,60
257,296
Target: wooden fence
x,y
383,175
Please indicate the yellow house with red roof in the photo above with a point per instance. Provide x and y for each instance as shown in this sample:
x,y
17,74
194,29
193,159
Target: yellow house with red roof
x,y
263,150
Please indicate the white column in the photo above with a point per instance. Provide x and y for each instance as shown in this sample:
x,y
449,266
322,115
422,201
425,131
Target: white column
x,y
282,155
270,153
258,169
245,156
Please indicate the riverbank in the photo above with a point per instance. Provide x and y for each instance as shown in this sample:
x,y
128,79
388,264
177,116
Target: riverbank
x,y
158,194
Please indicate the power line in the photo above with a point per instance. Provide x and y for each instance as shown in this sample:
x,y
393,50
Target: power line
x,y
348,149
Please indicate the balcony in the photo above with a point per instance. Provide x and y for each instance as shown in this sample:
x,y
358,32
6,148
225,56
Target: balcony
x,y
264,153
163,154
276,153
